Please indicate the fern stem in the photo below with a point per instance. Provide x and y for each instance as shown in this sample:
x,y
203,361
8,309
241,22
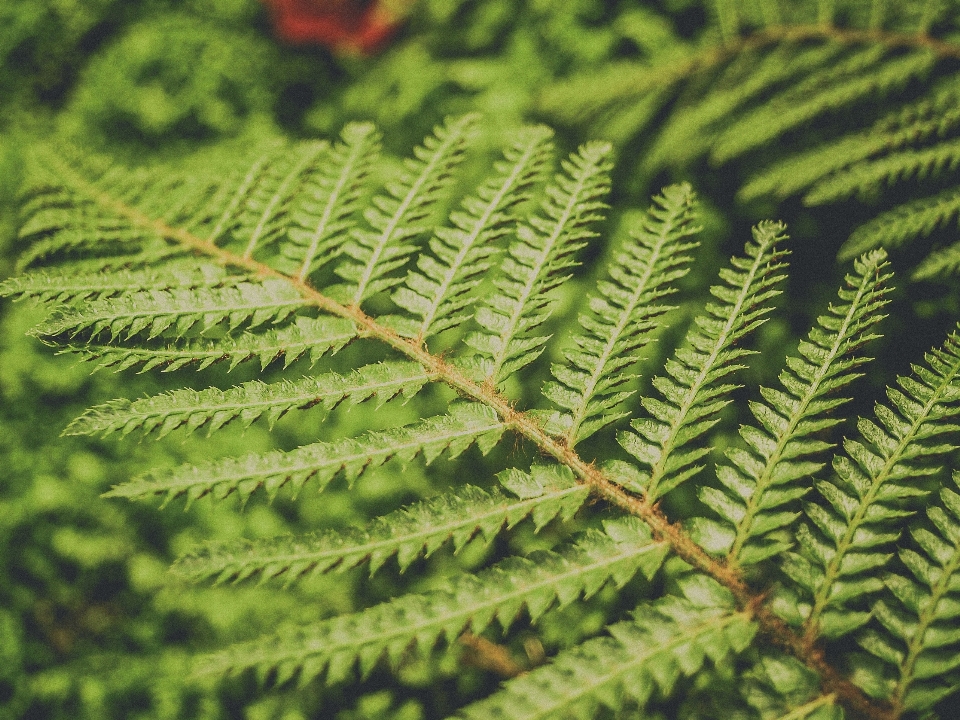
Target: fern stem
x,y
776,631
832,572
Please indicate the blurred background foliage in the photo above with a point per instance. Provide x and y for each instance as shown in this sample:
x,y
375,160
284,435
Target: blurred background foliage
x,y
91,624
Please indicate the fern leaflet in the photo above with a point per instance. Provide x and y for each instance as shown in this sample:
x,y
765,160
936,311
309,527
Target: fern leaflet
x,y
535,262
463,426
692,389
373,254
589,386
666,640
761,482
469,602
329,198
177,310
213,408
313,336
411,532
867,496
438,291
916,635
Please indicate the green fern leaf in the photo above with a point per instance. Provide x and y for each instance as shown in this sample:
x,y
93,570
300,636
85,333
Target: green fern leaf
x,y
865,176
314,336
374,254
868,498
263,216
465,425
862,74
760,483
328,200
900,223
439,290
535,265
690,133
589,385
64,287
409,533
929,117
939,263
693,388
668,639
213,408
916,635
176,310
536,583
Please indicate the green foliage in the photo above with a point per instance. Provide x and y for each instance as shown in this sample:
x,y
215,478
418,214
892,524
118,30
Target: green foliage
x,y
410,359
707,611
821,99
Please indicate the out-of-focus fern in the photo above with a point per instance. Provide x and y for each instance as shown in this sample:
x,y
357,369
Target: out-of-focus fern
x,y
247,268
765,85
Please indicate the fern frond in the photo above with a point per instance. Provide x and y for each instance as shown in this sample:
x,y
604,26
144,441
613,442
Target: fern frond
x,y
690,133
178,310
917,636
213,408
374,254
64,287
536,583
869,494
930,117
465,425
862,74
693,387
314,336
409,533
263,216
939,263
668,639
760,482
535,265
900,223
624,312
329,198
865,176
437,292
